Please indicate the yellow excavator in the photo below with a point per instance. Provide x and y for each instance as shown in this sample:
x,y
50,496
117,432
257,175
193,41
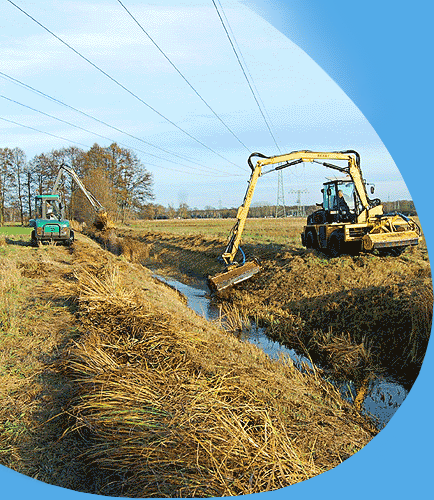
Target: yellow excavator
x,y
348,219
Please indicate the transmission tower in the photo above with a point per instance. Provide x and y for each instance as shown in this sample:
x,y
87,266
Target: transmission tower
x,y
300,207
280,205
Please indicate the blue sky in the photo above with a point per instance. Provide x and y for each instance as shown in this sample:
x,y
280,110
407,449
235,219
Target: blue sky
x,y
305,108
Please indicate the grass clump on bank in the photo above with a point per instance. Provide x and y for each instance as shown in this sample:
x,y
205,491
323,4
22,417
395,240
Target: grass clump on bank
x,y
173,406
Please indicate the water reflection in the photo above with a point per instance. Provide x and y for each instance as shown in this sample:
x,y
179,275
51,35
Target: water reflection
x,y
383,398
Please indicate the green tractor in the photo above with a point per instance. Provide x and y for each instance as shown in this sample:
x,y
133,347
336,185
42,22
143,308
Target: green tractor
x,y
49,225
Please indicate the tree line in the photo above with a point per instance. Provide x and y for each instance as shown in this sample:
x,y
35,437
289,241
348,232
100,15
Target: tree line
x,y
183,211
114,175
117,179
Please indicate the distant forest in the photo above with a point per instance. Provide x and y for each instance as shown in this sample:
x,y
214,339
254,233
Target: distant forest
x,y
119,181
155,211
114,175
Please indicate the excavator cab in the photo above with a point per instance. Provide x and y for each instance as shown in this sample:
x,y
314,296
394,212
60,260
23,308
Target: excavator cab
x,y
340,202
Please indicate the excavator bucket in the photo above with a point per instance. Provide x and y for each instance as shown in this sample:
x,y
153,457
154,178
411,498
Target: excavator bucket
x,y
241,273
372,241
102,222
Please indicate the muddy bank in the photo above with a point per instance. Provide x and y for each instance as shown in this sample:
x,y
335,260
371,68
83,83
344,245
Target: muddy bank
x,y
356,316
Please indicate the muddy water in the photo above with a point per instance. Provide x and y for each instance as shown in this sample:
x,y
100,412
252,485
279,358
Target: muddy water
x,y
383,398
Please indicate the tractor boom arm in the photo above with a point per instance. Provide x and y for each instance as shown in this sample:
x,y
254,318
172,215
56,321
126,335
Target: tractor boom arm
x,y
89,196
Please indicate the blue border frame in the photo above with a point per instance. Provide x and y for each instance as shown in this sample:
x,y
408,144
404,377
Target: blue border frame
x,y
378,52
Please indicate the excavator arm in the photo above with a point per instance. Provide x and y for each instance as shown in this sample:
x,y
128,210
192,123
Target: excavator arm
x,y
234,272
89,196
352,169
102,221
350,156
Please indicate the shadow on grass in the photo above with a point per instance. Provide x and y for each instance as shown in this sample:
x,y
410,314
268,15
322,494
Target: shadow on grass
x,y
375,330
48,451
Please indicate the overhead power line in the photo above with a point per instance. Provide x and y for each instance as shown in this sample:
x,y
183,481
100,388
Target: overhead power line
x,y
120,84
99,135
182,76
42,132
238,57
43,94
86,146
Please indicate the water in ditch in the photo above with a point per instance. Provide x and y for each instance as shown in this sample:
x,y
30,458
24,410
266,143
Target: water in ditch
x,y
382,400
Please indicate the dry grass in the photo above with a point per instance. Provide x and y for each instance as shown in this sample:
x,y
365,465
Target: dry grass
x,y
175,408
382,304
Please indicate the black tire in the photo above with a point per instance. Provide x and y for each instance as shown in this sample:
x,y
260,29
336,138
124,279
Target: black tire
x,y
33,240
310,240
70,240
335,244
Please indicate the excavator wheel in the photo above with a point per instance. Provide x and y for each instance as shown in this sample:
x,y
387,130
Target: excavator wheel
x,y
310,240
335,244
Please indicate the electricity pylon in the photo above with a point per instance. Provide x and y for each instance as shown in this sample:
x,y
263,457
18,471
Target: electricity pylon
x,y
300,207
280,205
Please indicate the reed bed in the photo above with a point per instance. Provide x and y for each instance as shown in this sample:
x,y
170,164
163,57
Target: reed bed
x,y
174,407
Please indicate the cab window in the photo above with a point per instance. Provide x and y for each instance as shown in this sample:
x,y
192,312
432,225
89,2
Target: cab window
x,y
347,189
329,196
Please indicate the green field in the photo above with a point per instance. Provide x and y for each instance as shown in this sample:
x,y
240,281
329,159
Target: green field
x,y
15,230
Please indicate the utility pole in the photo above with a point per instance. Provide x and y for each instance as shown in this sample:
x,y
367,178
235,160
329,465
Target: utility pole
x,y
300,207
280,205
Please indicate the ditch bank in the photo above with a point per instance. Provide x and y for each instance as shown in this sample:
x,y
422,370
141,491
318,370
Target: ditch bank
x,y
358,317
130,393
172,405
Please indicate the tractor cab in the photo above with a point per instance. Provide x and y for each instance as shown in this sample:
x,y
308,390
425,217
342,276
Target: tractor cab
x,y
49,223
48,206
340,203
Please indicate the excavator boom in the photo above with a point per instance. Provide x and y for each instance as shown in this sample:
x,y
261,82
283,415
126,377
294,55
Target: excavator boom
x,y
102,220
377,230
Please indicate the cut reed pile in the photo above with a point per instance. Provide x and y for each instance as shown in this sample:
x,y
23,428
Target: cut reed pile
x,y
175,407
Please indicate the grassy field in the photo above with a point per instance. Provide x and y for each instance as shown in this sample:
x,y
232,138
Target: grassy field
x,y
109,384
15,230
279,231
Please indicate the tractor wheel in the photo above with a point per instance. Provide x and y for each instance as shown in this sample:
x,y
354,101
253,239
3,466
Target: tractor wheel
x,y
335,244
310,241
70,240
33,240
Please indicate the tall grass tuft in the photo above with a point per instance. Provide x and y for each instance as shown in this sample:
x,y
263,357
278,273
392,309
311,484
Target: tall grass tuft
x,y
174,412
